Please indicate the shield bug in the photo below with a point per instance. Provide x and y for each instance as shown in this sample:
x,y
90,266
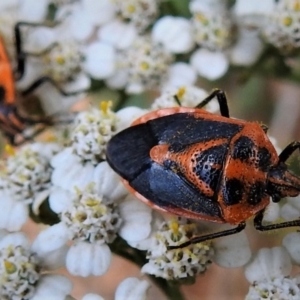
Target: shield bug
x,y
199,165
12,123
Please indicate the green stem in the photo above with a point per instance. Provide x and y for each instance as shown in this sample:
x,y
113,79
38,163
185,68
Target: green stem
x,y
121,248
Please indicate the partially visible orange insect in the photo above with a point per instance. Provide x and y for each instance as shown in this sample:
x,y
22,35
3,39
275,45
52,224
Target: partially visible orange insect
x,y
12,123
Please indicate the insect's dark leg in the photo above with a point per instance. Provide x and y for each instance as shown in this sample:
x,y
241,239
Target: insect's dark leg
x,y
44,79
199,239
222,99
259,226
288,151
20,53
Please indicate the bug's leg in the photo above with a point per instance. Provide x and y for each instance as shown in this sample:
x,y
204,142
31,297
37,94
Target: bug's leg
x,y
199,239
44,79
222,99
20,53
259,226
288,151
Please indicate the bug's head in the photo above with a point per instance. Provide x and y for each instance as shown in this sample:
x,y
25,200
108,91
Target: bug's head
x,y
282,183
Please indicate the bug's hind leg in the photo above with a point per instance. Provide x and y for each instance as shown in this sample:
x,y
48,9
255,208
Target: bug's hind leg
x,y
200,239
222,100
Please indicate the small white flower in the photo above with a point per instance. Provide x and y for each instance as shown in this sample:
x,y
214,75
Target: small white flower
x,y
211,65
232,251
269,275
178,263
175,33
100,60
22,271
211,29
92,130
292,243
132,288
141,13
117,33
282,27
70,171
127,115
91,218
291,209
283,288
252,13
137,218
146,64
91,296
26,180
268,264
180,74
91,221
247,49
189,96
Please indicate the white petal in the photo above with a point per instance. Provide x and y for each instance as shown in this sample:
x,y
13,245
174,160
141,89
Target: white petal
x,y
268,264
40,39
118,80
207,6
13,214
135,88
100,60
175,33
211,65
14,239
78,175
32,10
52,287
247,49
132,288
117,33
180,74
84,259
65,157
232,251
60,199
55,259
243,8
80,25
108,183
81,83
127,115
136,219
50,239
271,212
292,243
92,297
100,11
291,209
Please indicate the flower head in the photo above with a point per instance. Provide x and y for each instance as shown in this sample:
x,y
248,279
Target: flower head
x,y
282,28
178,263
93,129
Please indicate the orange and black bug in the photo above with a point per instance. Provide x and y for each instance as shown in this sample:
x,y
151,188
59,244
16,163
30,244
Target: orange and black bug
x,y
12,123
192,163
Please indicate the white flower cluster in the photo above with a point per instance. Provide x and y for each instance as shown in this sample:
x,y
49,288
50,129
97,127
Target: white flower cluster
x,y
92,130
180,263
126,45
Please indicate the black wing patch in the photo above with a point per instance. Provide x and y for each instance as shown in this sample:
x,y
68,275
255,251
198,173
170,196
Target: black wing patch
x,y
128,151
168,190
184,129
